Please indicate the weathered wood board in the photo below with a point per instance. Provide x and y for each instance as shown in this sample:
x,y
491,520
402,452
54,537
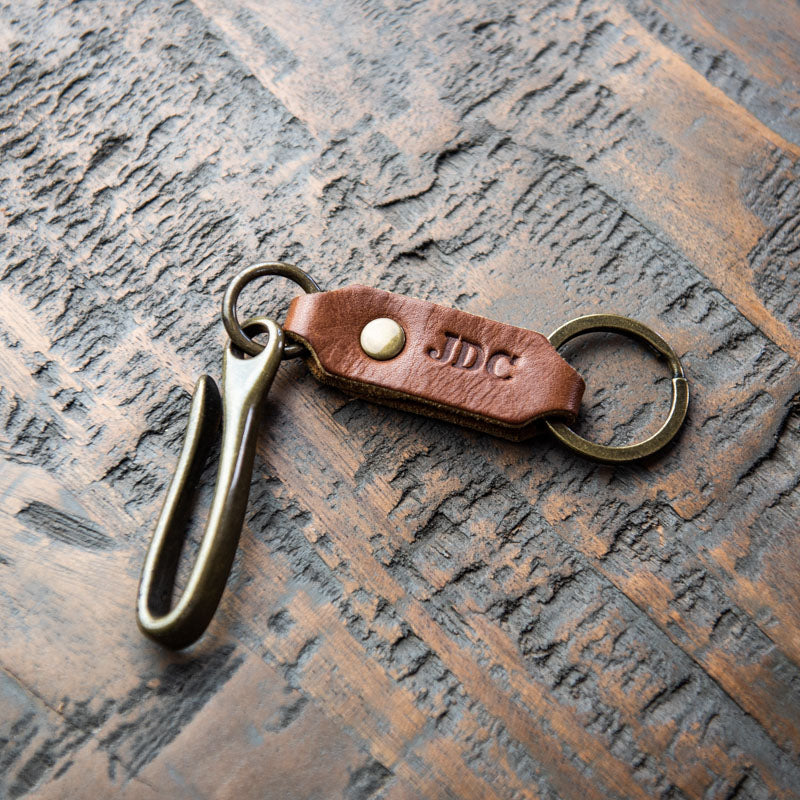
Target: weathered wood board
x,y
416,611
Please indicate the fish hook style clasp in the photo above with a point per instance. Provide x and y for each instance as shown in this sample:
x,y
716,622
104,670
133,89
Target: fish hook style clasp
x,y
245,383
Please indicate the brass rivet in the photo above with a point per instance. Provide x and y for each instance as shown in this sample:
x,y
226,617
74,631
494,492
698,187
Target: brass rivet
x,y
382,339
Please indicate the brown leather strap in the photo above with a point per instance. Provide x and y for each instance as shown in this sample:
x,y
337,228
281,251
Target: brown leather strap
x,y
454,366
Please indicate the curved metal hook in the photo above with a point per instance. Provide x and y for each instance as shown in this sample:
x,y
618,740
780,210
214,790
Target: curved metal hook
x,y
245,383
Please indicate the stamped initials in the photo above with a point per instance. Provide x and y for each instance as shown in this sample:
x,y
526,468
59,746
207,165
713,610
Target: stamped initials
x,y
471,356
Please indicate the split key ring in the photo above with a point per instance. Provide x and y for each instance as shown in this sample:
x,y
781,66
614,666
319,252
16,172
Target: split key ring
x,y
614,323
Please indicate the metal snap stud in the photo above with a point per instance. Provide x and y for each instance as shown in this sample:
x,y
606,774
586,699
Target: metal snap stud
x,y
382,339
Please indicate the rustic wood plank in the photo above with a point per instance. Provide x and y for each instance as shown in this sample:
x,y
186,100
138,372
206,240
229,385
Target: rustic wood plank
x,y
746,49
416,611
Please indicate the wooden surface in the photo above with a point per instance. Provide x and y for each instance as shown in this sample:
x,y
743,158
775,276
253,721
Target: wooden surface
x,y
416,611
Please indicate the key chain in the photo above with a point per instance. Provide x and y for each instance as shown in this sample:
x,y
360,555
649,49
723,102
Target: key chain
x,y
380,346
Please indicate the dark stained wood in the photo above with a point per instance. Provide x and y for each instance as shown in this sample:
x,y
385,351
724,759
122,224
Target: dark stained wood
x,y
416,611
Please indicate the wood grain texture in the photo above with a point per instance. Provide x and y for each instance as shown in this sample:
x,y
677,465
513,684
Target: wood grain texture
x,y
416,611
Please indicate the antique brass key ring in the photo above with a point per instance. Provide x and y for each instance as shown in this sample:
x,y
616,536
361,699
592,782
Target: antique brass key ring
x,y
614,323
427,358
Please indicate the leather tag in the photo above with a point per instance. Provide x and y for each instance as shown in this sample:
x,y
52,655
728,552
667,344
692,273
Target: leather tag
x,y
454,366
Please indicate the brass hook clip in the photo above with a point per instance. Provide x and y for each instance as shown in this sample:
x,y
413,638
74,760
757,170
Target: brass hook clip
x,y
245,383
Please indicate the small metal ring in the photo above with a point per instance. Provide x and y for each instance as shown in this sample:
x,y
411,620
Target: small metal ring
x,y
230,319
613,323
